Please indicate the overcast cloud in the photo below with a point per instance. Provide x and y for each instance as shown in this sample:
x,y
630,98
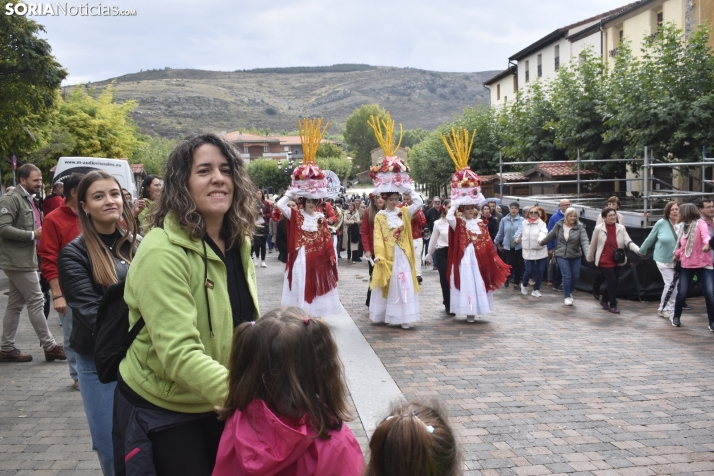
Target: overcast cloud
x,y
452,35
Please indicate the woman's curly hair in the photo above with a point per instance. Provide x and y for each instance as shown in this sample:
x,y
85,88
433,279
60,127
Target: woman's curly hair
x,y
240,219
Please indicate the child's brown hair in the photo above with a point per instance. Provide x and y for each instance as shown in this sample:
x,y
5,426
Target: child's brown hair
x,y
289,360
414,440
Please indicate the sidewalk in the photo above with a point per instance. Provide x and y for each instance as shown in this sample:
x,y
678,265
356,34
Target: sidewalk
x,y
538,388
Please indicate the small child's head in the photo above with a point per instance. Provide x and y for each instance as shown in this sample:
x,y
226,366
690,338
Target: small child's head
x,y
414,440
289,360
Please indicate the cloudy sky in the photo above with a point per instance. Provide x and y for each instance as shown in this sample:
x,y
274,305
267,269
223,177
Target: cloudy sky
x,y
451,35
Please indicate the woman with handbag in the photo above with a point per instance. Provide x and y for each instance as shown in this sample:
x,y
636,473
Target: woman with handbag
x,y
664,238
96,259
350,233
695,259
607,250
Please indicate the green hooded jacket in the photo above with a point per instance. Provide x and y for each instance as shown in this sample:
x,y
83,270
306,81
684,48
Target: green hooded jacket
x,y
174,363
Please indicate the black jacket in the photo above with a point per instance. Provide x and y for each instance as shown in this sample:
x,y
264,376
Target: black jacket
x,y
82,294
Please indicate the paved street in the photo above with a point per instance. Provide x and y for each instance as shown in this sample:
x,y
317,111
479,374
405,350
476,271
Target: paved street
x,y
535,388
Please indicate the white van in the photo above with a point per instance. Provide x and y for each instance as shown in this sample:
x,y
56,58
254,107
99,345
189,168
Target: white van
x,y
121,169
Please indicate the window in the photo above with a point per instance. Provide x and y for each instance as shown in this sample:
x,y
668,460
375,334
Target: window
x,y
498,92
245,149
515,83
540,66
528,71
557,57
505,99
660,18
265,149
621,34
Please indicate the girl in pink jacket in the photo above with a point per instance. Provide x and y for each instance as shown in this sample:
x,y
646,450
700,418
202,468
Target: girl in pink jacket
x,y
695,257
286,402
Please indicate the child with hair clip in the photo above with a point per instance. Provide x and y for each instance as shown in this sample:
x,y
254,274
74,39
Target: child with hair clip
x,y
414,440
286,404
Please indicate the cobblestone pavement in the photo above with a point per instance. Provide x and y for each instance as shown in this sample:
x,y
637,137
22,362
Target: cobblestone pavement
x,y
533,388
539,388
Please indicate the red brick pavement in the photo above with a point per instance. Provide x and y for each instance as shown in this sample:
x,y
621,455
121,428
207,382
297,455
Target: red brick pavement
x,y
539,388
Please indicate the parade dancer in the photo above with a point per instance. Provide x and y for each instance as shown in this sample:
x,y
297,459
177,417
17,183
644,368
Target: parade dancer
x,y
311,268
395,298
474,268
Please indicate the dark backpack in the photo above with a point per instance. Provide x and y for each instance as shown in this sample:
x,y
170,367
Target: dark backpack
x,y
112,336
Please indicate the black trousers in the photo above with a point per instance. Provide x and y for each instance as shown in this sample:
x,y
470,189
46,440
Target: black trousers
x,y
441,262
599,281
369,290
612,276
260,241
514,258
190,448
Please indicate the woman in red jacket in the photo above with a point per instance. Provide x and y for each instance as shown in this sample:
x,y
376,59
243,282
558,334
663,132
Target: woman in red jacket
x,y
376,203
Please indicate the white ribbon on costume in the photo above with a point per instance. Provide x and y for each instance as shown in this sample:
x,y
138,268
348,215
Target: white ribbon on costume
x,y
402,278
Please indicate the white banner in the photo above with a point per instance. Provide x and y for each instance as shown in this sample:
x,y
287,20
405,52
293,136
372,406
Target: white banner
x,y
333,184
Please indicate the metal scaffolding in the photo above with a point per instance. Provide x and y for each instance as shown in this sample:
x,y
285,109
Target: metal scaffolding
x,y
649,163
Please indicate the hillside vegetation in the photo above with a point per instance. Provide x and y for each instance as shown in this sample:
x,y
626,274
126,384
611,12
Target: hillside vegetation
x,y
175,102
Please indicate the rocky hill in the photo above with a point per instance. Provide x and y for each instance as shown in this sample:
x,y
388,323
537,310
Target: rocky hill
x,y
174,102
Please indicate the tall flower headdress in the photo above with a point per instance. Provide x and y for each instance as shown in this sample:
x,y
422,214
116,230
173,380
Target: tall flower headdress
x,y
391,174
465,184
308,179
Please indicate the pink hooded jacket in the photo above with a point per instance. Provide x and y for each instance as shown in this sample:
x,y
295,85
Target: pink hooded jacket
x,y
257,442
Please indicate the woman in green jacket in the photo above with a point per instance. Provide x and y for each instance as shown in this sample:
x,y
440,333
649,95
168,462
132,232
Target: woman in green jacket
x,y
149,194
664,237
192,281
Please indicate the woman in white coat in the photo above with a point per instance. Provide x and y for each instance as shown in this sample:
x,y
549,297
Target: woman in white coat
x,y
535,256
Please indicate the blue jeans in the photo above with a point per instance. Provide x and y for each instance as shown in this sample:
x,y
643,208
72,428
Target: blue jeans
x,y
534,269
98,400
66,321
570,269
705,278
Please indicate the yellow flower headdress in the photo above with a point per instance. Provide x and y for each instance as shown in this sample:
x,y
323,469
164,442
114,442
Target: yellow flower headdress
x,y
384,132
459,147
391,174
310,136
308,178
465,184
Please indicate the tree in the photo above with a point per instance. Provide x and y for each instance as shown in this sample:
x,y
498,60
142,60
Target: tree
x,y
412,137
359,136
340,165
330,149
153,152
266,173
526,126
30,78
101,127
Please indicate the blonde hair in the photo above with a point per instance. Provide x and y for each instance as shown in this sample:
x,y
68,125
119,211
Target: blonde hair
x,y
571,211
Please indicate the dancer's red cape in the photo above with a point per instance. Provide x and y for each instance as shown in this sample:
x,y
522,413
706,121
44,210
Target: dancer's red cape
x,y
494,271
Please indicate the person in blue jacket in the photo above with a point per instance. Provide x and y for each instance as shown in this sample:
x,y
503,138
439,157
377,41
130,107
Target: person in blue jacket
x,y
508,241
553,270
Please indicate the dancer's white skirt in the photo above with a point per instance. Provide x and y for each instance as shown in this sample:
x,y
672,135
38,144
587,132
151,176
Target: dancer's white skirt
x,y
325,305
472,299
402,303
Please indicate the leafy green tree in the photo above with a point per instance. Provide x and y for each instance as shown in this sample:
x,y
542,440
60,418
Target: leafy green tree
x,y
30,78
153,152
412,137
329,149
665,99
340,165
526,126
266,173
101,127
359,136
